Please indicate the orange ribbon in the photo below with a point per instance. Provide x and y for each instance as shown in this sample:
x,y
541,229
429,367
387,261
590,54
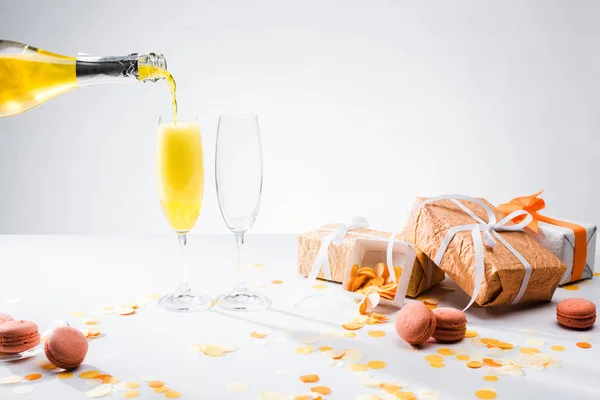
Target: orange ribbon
x,y
532,204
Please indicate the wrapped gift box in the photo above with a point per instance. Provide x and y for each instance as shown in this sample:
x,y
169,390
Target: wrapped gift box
x,y
488,256
364,247
571,242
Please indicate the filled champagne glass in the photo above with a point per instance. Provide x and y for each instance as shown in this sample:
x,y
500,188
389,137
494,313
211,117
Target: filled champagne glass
x,y
181,188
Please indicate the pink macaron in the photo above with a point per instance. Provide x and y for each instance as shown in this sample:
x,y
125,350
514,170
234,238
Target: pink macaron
x,y
5,317
18,336
66,347
576,313
450,324
415,323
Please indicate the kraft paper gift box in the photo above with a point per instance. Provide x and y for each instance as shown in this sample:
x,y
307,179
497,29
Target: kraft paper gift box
x,y
488,256
330,252
573,243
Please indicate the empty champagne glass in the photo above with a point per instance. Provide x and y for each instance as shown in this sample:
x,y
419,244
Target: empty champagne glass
x,y
239,176
181,189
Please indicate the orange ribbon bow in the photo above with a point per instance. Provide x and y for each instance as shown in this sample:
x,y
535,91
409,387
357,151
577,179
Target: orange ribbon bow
x,y
532,204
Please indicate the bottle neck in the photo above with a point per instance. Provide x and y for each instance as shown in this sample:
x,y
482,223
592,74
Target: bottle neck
x,y
92,70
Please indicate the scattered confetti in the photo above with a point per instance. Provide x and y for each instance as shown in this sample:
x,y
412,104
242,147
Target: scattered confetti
x,y
214,351
172,394
277,282
429,394
32,377
65,375
325,348
8,380
48,367
99,391
319,286
571,287
304,350
485,394
155,384
584,345
529,350
89,374
110,379
358,367
431,301
349,334
596,273
324,390
126,311
161,389
237,387
259,335
463,357
469,334
405,395
434,358
370,382
376,364
22,389
437,365
309,378
474,364
352,326
376,334
130,394
490,378
446,351
557,348
389,387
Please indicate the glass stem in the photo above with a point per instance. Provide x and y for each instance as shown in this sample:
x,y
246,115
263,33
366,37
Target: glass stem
x,y
183,287
241,285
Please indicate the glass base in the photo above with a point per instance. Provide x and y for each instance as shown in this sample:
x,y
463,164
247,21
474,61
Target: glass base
x,y
243,301
186,302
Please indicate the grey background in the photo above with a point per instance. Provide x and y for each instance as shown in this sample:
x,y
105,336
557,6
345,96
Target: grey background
x,y
363,105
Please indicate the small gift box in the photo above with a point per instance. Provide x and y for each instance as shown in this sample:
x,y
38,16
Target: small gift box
x,y
487,255
341,253
573,243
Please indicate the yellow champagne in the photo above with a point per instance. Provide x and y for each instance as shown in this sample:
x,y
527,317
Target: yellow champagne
x,y
180,173
30,76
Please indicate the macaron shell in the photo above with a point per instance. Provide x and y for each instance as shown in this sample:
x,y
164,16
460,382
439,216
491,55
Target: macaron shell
x,y
18,336
451,324
66,347
576,313
5,318
415,323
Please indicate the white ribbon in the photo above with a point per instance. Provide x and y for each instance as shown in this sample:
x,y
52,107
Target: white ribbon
x,y
337,236
490,235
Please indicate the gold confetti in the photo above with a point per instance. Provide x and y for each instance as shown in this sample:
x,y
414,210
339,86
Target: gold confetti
x,y
277,282
463,357
490,378
469,334
48,367
596,273
376,364
304,350
312,378
474,364
109,379
172,394
437,364
571,287
319,286
324,390
405,395
358,367
259,335
325,348
337,355
485,394
65,375
155,384
376,334
130,394
557,348
349,334
32,377
91,321
389,387
446,351
352,326
126,311
431,301
529,350
161,389
214,351
89,374
434,358
583,345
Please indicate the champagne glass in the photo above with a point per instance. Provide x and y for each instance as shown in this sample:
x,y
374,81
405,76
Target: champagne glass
x,y
181,188
239,176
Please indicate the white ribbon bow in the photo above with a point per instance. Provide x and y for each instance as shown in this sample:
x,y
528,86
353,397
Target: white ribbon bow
x,y
490,235
336,237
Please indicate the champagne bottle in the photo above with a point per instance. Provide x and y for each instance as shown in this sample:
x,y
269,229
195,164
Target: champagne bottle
x,y
30,76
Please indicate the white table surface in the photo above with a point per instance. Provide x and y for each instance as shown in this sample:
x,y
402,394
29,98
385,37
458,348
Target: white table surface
x,y
57,275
